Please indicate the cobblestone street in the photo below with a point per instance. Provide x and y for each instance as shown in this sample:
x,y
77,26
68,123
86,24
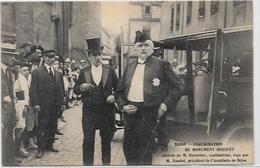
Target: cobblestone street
x,y
70,146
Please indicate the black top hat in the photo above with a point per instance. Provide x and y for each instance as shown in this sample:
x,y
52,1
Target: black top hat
x,y
141,36
94,46
49,53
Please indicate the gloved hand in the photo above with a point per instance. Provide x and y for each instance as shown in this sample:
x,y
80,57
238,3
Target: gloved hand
x,y
110,99
85,87
36,108
162,110
130,109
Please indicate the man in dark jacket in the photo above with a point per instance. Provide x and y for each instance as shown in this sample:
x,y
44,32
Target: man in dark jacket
x,y
96,84
47,97
8,114
145,93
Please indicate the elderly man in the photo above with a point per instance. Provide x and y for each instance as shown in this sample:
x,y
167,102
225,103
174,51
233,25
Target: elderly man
x,y
145,93
96,84
47,97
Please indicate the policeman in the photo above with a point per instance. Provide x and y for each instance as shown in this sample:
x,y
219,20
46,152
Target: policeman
x,y
47,98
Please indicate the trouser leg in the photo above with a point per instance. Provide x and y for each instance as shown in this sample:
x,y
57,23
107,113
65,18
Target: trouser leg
x,y
8,145
138,137
106,136
42,134
88,142
52,131
52,124
129,144
18,140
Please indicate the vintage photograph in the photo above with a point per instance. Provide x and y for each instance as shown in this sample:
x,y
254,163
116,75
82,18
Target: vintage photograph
x,y
127,83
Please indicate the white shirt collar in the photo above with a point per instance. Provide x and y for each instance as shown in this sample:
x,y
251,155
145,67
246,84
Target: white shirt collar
x,y
48,67
96,67
96,73
141,61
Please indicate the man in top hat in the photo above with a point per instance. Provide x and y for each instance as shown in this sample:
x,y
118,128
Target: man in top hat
x,y
96,84
47,97
145,93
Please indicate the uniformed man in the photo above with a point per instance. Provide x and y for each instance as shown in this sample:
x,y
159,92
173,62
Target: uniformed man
x,y
145,93
47,98
96,84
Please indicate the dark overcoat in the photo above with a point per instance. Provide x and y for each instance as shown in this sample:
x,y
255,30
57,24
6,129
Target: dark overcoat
x,y
109,82
161,84
42,89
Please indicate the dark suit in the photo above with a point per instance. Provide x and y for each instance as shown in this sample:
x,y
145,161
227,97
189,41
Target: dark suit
x,y
161,85
48,92
8,119
97,113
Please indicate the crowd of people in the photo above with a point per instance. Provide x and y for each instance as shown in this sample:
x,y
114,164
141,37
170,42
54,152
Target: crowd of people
x,y
22,122
38,85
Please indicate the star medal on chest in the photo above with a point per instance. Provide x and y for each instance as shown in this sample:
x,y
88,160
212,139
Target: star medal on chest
x,y
156,82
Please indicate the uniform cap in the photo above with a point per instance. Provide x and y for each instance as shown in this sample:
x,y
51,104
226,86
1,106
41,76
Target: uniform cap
x,y
49,53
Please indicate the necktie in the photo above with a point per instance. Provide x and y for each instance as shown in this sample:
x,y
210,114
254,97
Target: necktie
x,y
51,73
141,63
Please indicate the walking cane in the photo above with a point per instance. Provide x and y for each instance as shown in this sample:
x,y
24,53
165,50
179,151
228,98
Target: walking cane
x,y
151,138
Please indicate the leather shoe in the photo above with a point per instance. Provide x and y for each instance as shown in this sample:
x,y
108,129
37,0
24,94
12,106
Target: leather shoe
x,y
39,154
59,133
52,149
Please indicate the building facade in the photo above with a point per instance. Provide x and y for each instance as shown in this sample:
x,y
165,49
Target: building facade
x,y
62,26
187,17
28,22
144,17
86,23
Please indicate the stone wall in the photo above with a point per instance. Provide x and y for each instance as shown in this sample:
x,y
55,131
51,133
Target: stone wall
x,y
86,23
43,27
30,22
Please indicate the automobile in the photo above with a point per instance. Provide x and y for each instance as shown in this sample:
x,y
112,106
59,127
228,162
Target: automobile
x,y
217,103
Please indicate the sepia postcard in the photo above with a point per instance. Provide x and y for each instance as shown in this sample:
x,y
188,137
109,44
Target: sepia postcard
x,y
161,83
